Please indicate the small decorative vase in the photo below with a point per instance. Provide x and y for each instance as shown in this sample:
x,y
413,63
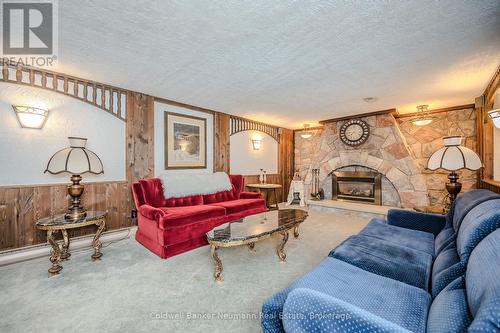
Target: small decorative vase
x,y
265,178
261,178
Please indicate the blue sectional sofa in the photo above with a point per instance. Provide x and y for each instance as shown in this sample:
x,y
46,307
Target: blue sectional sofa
x,y
414,272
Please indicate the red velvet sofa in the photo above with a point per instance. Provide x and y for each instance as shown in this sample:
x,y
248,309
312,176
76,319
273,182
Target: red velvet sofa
x,y
172,226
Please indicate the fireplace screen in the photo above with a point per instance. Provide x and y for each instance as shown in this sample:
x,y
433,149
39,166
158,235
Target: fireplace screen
x,y
357,186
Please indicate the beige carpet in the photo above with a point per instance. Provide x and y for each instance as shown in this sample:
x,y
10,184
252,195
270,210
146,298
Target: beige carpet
x,y
130,288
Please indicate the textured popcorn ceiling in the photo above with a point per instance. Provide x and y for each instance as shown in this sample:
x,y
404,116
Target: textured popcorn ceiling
x,y
286,62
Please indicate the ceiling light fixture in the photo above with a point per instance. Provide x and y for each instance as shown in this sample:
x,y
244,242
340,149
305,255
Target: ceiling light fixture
x,y
423,116
306,134
370,99
30,117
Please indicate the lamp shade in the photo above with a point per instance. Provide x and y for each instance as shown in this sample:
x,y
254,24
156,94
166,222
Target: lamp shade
x,y
454,157
76,159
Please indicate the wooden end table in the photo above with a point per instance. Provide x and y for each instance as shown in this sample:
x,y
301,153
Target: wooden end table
x,y
265,189
57,223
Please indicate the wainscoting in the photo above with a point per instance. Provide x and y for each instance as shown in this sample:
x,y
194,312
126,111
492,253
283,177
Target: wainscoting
x,y
20,207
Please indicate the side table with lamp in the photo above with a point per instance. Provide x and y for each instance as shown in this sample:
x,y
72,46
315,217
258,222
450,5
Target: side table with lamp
x,y
74,160
453,157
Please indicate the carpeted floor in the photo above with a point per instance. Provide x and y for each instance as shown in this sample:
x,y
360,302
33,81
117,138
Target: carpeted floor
x,y
132,290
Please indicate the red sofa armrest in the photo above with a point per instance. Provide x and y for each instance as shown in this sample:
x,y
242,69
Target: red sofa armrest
x,y
151,213
250,195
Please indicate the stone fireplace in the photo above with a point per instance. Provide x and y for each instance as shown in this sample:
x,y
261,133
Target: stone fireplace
x,y
396,149
357,186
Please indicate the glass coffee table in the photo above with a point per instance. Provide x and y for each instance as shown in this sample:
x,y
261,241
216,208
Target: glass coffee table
x,y
254,228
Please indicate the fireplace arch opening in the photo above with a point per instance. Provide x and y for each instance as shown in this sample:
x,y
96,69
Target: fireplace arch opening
x,y
361,184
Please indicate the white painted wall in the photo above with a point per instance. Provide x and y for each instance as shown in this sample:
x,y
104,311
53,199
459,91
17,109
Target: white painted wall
x,y
159,138
247,161
24,153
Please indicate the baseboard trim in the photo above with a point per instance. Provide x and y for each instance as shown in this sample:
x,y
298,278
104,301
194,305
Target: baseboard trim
x,y
9,257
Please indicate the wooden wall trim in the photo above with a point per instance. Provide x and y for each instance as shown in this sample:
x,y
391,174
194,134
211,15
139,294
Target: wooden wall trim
x,y
103,96
485,133
361,115
184,105
240,124
451,108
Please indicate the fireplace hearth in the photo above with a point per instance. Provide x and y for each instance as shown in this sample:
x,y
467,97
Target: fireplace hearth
x,y
357,186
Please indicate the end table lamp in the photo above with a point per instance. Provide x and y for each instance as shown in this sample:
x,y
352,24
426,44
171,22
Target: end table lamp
x,y
75,160
453,157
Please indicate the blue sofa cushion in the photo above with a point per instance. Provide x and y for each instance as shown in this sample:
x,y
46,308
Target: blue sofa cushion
x,y
391,300
431,223
330,315
482,282
414,239
443,239
466,201
449,311
479,222
387,259
445,269
451,263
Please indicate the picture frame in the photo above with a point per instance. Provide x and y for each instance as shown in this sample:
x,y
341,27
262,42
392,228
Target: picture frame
x,y
185,141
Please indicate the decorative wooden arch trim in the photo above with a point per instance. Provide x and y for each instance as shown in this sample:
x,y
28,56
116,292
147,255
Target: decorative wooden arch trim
x,y
239,124
111,99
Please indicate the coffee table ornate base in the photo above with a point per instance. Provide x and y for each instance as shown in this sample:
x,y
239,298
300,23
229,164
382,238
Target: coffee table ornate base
x,y
218,264
252,229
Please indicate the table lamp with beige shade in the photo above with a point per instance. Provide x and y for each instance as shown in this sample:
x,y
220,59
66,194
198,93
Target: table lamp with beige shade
x,y
453,157
75,160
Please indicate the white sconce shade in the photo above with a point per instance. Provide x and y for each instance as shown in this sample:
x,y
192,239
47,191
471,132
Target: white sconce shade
x,y
76,159
30,117
495,116
454,157
256,143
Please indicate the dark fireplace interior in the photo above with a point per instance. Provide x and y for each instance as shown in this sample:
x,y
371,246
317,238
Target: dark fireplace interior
x,y
357,186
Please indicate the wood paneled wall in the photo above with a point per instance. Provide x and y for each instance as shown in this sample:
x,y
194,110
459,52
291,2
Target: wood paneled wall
x,y
21,206
221,142
286,159
485,128
140,136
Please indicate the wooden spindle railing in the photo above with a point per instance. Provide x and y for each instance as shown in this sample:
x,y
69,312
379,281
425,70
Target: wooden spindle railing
x,y
60,83
239,124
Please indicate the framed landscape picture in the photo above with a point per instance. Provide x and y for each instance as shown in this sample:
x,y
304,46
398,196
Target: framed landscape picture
x,y
185,142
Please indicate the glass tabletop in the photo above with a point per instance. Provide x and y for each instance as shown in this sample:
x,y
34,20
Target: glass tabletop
x,y
258,225
60,220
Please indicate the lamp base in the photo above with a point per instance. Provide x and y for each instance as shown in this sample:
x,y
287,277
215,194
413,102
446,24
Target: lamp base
x,y
454,186
75,190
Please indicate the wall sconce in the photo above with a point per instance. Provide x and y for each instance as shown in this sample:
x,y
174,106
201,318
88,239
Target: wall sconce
x,y
495,116
30,117
256,143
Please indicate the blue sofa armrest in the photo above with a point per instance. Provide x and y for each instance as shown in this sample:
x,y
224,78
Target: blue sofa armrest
x,y
308,310
432,223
